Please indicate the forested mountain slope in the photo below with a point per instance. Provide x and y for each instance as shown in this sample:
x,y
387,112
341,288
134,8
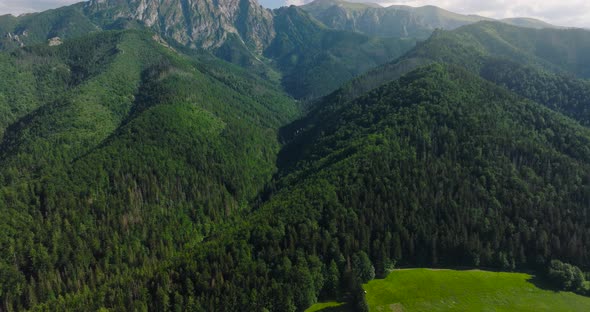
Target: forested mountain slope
x,y
143,152
526,61
548,66
559,50
438,168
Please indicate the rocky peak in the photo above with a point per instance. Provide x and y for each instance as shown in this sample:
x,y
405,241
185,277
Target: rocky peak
x,y
196,23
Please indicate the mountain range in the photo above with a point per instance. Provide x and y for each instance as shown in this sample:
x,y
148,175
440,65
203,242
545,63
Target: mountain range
x,y
241,32
198,155
245,33
399,20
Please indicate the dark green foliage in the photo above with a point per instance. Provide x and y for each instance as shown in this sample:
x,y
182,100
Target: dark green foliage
x,y
332,286
381,162
362,267
438,168
565,276
561,93
358,300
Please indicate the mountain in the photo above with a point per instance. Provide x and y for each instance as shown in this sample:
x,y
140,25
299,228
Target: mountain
x,y
285,43
195,23
548,66
529,23
393,21
398,20
114,134
552,49
437,168
396,144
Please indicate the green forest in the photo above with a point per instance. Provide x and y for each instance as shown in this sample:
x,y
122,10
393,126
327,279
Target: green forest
x,y
141,171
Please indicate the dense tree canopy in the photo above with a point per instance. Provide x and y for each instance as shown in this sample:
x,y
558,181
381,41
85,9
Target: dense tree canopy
x,y
565,276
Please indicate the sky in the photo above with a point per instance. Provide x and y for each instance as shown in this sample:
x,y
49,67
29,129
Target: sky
x,y
16,7
575,13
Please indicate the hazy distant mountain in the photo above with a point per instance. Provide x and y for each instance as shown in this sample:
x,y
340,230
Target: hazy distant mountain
x,y
529,23
393,21
556,50
397,20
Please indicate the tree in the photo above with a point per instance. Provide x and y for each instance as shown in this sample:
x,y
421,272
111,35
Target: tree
x,y
332,280
362,267
565,276
303,287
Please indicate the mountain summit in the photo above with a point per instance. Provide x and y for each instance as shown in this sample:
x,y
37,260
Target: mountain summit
x,y
195,23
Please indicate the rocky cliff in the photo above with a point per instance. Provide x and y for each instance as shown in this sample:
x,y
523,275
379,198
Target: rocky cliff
x,y
204,24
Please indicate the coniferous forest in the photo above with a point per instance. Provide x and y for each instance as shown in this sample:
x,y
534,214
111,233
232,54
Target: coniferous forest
x,y
163,156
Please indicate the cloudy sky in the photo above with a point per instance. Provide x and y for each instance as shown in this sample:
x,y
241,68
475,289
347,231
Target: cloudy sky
x,y
16,7
559,12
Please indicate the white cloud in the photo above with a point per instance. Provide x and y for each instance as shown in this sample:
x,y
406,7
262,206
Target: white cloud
x,y
16,7
296,2
574,13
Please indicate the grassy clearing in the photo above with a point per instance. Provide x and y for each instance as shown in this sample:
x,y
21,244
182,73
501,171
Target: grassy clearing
x,y
325,306
472,290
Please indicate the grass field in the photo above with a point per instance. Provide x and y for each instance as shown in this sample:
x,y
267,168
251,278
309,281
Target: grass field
x,y
326,306
471,290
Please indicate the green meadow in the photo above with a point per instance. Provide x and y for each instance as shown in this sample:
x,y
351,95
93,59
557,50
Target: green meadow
x,y
327,306
470,290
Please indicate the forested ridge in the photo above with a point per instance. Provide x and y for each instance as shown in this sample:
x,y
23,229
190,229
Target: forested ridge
x,y
528,62
138,173
97,182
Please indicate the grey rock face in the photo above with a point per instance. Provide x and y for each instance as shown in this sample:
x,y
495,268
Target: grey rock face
x,y
196,23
